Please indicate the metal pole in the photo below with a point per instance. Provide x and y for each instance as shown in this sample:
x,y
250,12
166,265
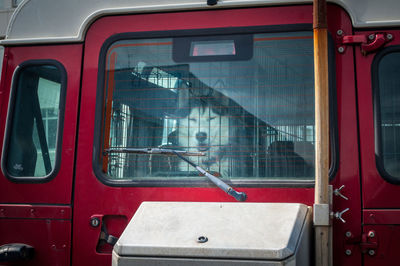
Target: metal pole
x,y
321,204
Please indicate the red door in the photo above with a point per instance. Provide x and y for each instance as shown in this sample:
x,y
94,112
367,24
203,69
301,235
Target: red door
x,y
236,85
378,80
40,89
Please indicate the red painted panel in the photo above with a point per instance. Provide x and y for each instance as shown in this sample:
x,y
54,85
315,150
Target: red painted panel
x,y
59,189
389,217
91,196
50,238
348,174
377,193
94,198
379,197
3,89
35,211
387,252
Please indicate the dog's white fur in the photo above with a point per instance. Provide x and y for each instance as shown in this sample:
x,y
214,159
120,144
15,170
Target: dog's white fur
x,y
203,130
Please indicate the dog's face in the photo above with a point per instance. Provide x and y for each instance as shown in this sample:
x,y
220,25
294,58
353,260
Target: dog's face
x,y
203,130
219,133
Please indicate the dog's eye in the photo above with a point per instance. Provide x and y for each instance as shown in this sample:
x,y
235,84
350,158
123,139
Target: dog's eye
x,y
212,118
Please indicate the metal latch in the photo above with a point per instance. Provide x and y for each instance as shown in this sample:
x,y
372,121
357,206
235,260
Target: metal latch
x,y
369,43
338,215
368,242
104,235
337,192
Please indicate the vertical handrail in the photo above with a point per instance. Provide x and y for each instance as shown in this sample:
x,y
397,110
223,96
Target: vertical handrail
x,y
321,201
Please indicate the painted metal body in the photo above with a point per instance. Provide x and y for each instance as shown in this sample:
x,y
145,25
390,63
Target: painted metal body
x,y
27,25
55,217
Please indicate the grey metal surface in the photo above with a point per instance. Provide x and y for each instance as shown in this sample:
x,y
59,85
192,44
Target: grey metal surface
x,y
5,16
49,21
321,215
152,261
244,231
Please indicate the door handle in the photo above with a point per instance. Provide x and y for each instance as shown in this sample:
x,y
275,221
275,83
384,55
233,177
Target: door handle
x,y
16,252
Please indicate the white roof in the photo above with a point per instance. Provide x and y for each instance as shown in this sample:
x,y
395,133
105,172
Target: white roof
x,y
45,21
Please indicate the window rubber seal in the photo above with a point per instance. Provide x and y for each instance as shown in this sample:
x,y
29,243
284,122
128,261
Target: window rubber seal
x,y
288,183
60,122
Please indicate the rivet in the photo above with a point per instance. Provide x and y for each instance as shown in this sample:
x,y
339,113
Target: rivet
x,y
371,36
339,32
371,252
348,234
341,49
348,252
389,36
371,234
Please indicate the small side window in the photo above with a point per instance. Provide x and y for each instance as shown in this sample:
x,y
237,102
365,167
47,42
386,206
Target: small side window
x,y
386,71
34,124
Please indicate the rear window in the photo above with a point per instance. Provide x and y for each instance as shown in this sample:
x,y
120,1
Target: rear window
x,y
245,102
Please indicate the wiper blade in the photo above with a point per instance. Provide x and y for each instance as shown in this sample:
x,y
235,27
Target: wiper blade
x,y
239,196
153,151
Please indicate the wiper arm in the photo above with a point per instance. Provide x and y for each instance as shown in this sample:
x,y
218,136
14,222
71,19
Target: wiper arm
x,y
153,151
239,196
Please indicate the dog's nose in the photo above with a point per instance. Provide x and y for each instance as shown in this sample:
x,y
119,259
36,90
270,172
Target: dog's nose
x,y
201,136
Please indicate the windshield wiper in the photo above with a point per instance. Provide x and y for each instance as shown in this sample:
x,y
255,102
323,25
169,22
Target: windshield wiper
x,y
153,151
239,196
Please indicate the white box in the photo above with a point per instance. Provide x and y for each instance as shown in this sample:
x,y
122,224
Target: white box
x,y
170,233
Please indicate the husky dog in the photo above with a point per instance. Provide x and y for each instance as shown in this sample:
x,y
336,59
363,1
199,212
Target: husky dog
x,y
206,130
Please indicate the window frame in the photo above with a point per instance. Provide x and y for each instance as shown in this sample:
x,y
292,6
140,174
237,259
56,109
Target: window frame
x,y
100,99
377,114
60,123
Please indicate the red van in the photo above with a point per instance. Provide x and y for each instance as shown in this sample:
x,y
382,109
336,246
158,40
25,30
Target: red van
x,y
97,97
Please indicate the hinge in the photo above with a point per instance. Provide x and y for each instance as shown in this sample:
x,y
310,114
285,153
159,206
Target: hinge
x,y
367,242
368,43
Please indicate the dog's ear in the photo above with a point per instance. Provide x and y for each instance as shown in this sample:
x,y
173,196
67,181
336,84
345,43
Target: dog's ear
x,y
223,104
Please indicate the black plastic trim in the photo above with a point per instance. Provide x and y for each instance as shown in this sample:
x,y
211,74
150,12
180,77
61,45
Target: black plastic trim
x,y
181,48
60,122
377,114
333,120
287,183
